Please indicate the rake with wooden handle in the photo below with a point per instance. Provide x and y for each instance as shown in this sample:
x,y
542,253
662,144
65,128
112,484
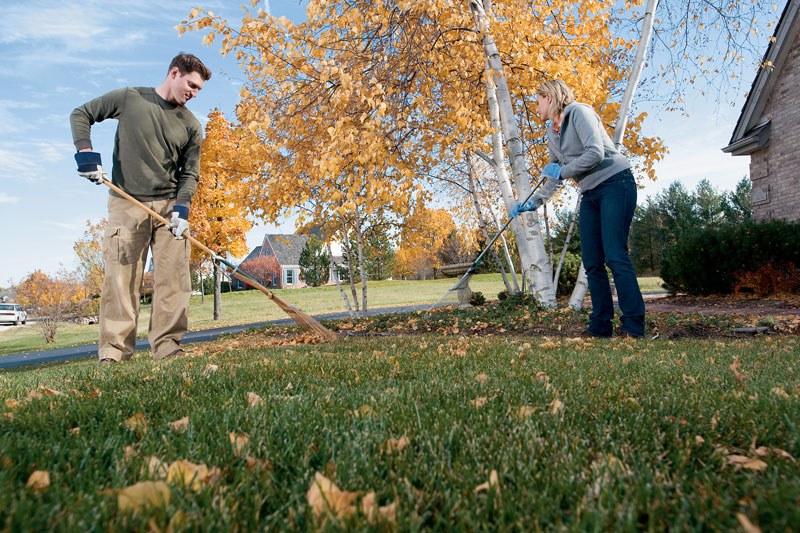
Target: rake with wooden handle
x,y
300,317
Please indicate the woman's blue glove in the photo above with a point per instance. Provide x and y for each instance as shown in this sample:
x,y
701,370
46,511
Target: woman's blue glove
x,y
552,170
531,205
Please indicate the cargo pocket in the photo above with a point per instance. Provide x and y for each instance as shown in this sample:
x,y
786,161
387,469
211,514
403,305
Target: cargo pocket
x,y
119,247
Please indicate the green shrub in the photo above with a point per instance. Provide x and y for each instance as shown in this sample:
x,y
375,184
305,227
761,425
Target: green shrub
x,y
502,295
477,298
569,274
707,261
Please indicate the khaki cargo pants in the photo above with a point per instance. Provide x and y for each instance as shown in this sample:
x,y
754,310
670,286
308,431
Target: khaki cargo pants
x,y
129,234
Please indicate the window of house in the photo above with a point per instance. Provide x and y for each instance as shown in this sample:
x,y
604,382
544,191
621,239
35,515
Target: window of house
x,y
288,277
267,252
274,280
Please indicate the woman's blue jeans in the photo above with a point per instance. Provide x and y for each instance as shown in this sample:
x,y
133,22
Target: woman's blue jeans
x,y
605,222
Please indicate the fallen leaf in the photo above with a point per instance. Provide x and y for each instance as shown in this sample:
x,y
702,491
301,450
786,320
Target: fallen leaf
x,y
372,511
363,411
188,474
39,480
746,462
157,468
746,524
482,379
211,368
525,411
137,423
699,440
778,391
493,482
395,445
239,441
50,392
254,400
253,462
324,495
556,406
180,425
143,494
783,453
75,430
479,402
11,403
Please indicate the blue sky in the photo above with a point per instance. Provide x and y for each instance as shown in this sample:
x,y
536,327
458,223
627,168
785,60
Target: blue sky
x,y
56,55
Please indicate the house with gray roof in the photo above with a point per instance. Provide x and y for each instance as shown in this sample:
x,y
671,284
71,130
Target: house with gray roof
x,y
286,249
768,129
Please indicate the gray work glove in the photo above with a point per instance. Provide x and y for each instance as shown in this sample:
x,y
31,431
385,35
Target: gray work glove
x,y
180,221
90,167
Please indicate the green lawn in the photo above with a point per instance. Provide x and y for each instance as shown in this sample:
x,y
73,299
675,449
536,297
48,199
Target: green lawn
x,y
252,306
603,436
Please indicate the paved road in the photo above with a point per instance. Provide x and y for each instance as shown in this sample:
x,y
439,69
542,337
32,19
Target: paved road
x,y
63,354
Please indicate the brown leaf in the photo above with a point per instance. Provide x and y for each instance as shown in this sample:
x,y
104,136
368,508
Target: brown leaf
x,y
239,441
143,494
783,453
253,463
555,406
372,511
479,402
137,423
746,524
50,392
324,496
180,425
525,411
254,400
493,482
11,403
75,431
363,411
395,445
38,481
746,462
482,379
157,468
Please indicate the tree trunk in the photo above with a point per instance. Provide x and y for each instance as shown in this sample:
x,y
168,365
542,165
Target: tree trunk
x,y
339,284
530,242
566,244
217,291
474,191
202,288
360,237
350,269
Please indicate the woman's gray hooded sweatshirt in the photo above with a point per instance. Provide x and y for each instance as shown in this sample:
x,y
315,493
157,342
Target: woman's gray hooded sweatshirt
x,y
583,148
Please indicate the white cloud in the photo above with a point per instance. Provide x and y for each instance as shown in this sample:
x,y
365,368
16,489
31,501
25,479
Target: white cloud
x,y
30,161
8,199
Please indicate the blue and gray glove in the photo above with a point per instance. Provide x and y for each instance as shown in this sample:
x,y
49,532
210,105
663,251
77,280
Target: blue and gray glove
x,y
90,167
552,170
531,205
180,221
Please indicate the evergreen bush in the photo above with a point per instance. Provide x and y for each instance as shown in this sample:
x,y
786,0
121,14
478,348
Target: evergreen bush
x,y
707,261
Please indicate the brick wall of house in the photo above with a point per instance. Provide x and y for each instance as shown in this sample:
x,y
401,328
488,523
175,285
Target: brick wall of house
x,y
775,170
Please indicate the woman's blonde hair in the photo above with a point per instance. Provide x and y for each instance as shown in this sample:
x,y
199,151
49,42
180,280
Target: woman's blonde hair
x,y
561,95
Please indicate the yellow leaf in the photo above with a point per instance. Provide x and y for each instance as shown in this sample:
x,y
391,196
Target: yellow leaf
x,y
254,400
372,511
75,431
749,463
143,494
395,445
556,406
239,441
324,496
39,480
525,411
482,379
180,425
363,411
11,403
783,453
157,468
493,483
137,423
188,474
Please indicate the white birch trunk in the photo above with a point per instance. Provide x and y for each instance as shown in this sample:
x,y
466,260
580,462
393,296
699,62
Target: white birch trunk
x,y
529,240
350,266
339,283
360,236
579,293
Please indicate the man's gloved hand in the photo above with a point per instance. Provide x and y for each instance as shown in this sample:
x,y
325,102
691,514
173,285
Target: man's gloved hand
x,y
552,170
89,167
180,221
531,205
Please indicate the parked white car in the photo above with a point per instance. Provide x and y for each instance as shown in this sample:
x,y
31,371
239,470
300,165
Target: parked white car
x,y
12,314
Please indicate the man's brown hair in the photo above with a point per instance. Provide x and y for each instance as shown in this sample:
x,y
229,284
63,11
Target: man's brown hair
x,y
187,63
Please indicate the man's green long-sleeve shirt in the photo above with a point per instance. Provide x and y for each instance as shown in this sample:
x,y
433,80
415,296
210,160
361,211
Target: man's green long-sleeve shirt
x,y
156,147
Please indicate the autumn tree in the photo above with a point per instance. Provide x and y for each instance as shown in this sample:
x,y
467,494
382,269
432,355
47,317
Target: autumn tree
x,y
229,163
365,101
264,269
314,263
422,235
91,266
52,299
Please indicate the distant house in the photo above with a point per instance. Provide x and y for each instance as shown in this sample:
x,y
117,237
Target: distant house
x,y
238,284
286,249
768,129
